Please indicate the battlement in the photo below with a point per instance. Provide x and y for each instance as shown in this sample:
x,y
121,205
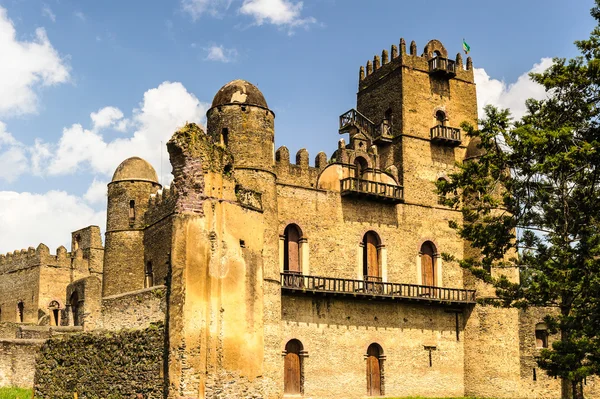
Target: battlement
x,y
161,204
300,173
40,256
434,59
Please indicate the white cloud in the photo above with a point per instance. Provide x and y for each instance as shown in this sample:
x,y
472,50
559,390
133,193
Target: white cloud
x,y
80,15
32,64
96,193
29,219
47,12
196,8
221,54
277,12
512,96
162,111
109,117
13,156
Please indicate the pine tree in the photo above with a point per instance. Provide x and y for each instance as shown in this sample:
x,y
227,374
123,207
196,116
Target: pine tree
x,y
532,201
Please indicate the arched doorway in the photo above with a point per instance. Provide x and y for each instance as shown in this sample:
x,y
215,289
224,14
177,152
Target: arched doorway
x,y
54,310
291,260
374,372
371,264
361,165
292,382
74,302
428,264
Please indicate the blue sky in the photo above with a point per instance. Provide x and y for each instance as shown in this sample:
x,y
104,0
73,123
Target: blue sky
x,y
85,84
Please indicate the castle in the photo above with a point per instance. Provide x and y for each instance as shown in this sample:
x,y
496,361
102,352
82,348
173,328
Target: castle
x,y
276,279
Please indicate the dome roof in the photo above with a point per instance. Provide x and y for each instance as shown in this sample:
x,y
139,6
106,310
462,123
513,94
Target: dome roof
x,y
135,168
241,92
473,149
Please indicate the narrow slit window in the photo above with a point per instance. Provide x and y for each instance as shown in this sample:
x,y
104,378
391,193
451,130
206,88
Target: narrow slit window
x,y
20,312
225,136
131,210
149,278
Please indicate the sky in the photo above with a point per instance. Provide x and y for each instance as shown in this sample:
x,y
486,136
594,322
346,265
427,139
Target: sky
x,y
87,84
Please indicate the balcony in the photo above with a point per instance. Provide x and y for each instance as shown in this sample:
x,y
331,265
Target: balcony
x,y
442,67
359,188
353,118
445,135
383,135
298,284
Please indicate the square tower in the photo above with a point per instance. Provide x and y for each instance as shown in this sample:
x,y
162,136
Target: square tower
x,y
419,101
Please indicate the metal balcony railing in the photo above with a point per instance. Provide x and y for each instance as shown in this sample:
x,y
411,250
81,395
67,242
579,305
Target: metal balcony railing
x,y
368,288
356,187
445,135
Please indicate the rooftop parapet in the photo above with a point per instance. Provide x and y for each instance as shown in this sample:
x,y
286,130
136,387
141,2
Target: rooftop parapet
x,y
33,257
434,53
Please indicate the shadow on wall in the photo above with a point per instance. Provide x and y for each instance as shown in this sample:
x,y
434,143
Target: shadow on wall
x,y
363,313
370,212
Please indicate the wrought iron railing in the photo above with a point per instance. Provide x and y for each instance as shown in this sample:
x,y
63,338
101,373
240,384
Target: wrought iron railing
x,y
316,284
353,185
440,64
355,118
446,134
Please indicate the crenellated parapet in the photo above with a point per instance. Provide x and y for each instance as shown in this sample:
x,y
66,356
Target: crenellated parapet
x,y
23,259
300,173
161,205
378,68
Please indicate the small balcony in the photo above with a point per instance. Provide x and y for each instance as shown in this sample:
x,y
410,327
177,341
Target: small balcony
x,y
359,188
383,135
445,135
442,67
370,288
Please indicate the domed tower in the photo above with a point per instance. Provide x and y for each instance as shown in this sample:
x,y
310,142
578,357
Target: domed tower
x,y
128,194
241,120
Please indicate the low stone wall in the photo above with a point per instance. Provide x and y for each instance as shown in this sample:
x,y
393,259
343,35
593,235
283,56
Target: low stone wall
x,y
135,309
120,364
9,330
45,332
17,361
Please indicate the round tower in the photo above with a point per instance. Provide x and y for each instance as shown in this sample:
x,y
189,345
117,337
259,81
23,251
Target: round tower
x,y
128,193
240,119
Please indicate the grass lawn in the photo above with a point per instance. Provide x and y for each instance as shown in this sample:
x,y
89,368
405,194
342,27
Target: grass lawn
x,y
15,393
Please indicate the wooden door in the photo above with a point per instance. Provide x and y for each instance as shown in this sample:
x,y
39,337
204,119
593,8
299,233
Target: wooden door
x,y
373,376
293,249
292,373
427,265
372,258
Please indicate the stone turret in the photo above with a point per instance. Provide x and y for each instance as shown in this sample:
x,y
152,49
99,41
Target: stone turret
x,y
128,193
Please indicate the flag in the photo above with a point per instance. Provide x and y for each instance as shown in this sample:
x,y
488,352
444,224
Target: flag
x,y
466,47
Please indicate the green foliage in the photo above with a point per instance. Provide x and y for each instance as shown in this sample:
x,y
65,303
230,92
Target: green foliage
x,y
540,177
110,364
15,393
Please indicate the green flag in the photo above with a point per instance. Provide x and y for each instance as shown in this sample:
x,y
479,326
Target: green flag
x,y
466,47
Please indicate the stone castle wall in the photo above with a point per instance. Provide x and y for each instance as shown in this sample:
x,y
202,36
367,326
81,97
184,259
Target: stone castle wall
x,y
17,361
134,310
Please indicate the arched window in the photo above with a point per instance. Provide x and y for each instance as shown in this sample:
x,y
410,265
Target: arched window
x,y
149,275
541,335
371,263
292,382
291,249
361,165
20,312
74,302
440,117
436,53
374,370
428,264
54,308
